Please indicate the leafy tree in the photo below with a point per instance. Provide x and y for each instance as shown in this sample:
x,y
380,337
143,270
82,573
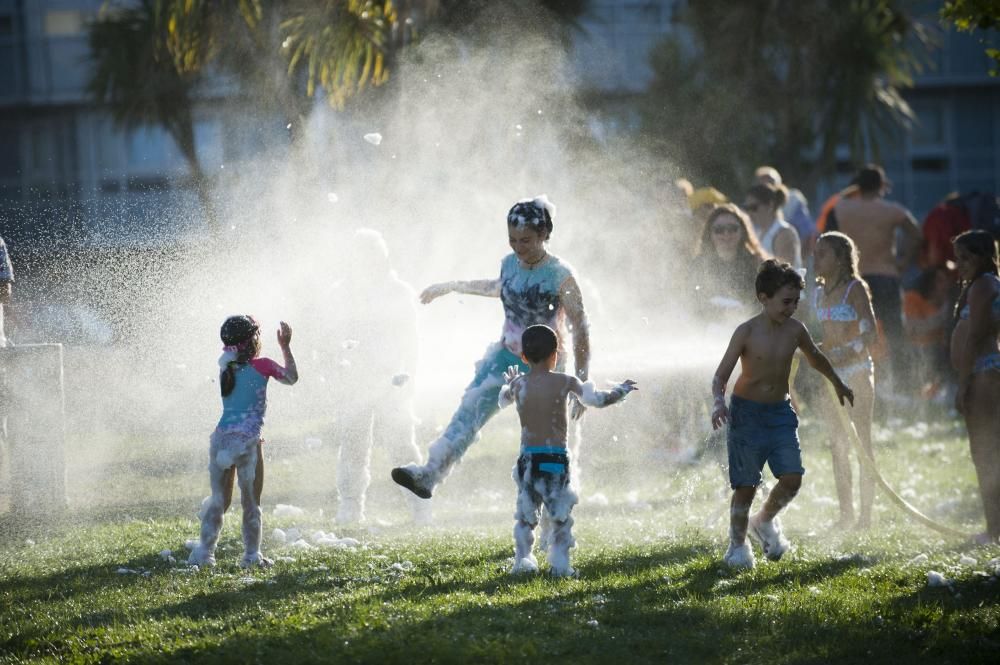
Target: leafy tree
x,y
136,77
970,15
782,82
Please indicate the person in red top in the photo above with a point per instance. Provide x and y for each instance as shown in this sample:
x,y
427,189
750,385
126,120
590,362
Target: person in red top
x,y
945,221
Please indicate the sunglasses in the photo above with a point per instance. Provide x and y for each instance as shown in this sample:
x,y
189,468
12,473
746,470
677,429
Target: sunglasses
x,y
726,229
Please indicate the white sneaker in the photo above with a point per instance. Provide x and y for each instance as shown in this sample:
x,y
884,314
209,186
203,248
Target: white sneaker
x,y
413,478
526,565
201,557
255,559
739,556
768,534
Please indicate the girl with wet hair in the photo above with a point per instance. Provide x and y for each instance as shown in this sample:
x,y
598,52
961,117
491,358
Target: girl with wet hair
x,y
842,304
534,287
764,204
976,355
235,445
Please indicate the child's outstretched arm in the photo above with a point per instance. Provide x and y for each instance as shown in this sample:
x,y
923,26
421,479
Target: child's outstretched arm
x,y
821,364
589,395
506,397
291,373
720,412
479,287
579,325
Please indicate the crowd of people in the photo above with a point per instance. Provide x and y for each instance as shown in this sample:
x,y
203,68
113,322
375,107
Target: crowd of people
x,y
752,263
907,314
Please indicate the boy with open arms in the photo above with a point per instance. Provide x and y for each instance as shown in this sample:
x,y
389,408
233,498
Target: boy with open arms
x,y
763,426
542,471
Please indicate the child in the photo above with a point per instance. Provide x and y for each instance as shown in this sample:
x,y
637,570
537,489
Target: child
x,y
542,469
976,355
236,443
843,307
763,425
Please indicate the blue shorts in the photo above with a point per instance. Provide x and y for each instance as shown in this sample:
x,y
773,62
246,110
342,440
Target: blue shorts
x,y
760,433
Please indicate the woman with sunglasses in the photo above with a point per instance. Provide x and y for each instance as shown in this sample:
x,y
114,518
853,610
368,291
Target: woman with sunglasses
x,y
725,265
763,203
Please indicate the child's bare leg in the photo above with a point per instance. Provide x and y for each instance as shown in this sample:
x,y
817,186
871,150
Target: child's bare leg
x,y
980,418
258,475
524,540
562,541
247,478
839,448
354,466
739,513
228,480
211,522
784,491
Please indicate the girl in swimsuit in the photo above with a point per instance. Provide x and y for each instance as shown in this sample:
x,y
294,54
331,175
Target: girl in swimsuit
x,y
842,304
976,356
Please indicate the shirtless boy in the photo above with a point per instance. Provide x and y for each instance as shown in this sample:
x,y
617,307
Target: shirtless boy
x,y
763,426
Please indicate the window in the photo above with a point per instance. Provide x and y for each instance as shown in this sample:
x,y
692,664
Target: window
x,y
63,23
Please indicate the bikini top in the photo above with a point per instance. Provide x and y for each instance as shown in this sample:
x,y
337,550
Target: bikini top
x,y
842,311
964,312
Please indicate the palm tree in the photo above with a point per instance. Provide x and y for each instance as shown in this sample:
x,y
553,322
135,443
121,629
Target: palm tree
x,y
135,76
783,82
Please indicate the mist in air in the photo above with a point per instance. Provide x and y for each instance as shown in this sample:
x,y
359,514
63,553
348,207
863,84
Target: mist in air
x,y
433,165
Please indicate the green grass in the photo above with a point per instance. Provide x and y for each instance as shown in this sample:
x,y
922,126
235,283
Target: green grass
x,y
651,587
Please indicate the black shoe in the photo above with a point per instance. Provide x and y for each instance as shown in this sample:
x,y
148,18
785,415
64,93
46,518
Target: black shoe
x,y
408,477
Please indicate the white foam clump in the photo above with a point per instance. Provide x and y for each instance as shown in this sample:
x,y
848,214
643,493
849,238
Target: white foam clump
x,y
167,556
291,535
593,623
332,197
402,566
323,539
302,544
920,558
597,499
935,578
278,535
967,560
285,510
374,138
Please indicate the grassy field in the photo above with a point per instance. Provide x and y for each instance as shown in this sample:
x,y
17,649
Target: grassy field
x,y
93,586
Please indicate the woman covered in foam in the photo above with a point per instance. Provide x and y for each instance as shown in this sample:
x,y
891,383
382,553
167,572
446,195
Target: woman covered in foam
x,y
535,287
235,445
842,304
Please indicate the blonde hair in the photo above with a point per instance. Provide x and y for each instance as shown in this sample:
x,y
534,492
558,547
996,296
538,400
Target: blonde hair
x,y
846,253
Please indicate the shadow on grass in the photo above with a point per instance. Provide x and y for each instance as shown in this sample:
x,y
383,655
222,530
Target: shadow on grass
x,y
587,622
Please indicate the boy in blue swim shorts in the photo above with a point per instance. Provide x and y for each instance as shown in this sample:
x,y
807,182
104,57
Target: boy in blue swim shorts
x,y
763,426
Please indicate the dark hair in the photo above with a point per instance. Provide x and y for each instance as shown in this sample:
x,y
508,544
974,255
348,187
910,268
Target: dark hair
x,y
538,342
871,178
750,242
240,331
978,243
532,213
769,195
772,275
